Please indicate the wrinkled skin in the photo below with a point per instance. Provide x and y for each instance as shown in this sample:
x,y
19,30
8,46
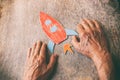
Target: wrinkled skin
x,y
92,43
36,66
92,39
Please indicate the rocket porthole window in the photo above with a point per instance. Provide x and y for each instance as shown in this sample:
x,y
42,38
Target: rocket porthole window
x,y
47,22
53,28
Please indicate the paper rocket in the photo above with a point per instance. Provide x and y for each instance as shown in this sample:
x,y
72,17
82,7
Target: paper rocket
x,y
54,30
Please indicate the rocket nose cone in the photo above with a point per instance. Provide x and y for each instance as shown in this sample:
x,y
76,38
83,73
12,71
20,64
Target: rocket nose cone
x,y
41,13
42,17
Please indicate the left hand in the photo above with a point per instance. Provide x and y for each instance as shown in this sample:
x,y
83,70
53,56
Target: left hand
x,y
36,66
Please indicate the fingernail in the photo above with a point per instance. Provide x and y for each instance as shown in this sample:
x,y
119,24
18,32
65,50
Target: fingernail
x,y
39,41
35,43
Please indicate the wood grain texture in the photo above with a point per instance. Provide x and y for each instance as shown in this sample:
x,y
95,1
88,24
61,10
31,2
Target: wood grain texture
x,y
20,28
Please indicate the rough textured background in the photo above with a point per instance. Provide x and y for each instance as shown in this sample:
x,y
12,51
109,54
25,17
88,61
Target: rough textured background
x,y
20,28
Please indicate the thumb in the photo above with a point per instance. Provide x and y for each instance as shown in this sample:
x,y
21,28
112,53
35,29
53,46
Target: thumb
x,y
53,60
75,42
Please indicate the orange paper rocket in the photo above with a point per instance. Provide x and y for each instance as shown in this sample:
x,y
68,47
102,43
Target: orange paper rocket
x,y
52,28
55,31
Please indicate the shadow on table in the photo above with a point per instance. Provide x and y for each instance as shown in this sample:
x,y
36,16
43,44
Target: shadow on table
x,y
4,76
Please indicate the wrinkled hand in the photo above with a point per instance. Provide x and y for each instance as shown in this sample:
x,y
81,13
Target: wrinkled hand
x,y
92,40
92,43
36,66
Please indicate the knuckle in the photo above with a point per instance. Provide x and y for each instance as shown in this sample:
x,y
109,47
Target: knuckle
x,y
35,56
89,31
83,34
41,62
42,58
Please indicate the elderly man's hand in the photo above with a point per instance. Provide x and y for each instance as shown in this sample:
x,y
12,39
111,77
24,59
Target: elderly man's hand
x,y
92,43
92,40
36,66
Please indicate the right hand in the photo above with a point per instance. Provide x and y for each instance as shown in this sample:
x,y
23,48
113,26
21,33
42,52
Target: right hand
x,y
92,41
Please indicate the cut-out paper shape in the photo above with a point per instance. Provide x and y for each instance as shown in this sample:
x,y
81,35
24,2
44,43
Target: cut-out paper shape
x,y
70,32
58,34
54,30
67,47
51,46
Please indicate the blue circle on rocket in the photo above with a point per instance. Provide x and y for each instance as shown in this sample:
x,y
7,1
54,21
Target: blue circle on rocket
x,y
47,22
53,28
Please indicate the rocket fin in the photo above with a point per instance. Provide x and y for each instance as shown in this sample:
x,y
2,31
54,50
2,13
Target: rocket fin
x,y
51,46
71,32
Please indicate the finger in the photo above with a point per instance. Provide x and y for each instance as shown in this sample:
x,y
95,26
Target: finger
x,y
90,23
86,26
80,29
38,47
53,60
42,53
29,52
97,25
33,49
75,42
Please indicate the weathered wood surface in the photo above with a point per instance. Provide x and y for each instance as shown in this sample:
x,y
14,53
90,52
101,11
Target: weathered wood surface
x,y
20,28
